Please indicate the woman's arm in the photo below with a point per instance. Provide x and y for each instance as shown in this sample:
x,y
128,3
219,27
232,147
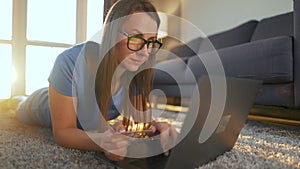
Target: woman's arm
x,y
67,134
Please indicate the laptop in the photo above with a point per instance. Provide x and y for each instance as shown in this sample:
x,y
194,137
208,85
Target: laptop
x,y
206,133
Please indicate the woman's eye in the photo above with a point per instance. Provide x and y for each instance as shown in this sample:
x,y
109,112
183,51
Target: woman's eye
x,y
135,40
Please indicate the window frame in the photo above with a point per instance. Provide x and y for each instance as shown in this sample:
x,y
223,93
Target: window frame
x,y
19,41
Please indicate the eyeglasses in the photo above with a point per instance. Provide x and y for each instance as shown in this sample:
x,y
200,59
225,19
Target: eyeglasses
x,y
136,43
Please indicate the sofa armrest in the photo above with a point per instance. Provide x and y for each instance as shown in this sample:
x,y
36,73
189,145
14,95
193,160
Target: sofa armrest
x,y
297,52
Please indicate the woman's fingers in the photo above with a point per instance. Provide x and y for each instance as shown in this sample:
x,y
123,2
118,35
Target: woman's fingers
x,y
118,126
117,140
117,147
167,132
114,145
163,128
116,155
174,135
164,140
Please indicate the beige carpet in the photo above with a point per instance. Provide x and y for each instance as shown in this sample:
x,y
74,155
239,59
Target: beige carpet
x,y
259,145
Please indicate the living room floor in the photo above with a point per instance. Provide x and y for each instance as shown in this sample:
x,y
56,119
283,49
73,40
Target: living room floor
x,y
259,145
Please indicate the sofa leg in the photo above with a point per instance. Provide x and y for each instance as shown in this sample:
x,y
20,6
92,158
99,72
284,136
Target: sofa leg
x,y
275,114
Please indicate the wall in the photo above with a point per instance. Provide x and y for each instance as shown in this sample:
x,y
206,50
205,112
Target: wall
x,y
173,9
213,16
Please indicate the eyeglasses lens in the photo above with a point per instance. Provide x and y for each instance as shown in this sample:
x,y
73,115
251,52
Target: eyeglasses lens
x,y
135,43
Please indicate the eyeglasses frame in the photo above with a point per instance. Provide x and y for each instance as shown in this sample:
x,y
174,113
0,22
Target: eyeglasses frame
x,y
142,46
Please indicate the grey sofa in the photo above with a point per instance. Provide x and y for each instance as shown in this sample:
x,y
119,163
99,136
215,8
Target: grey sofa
x,y
268,50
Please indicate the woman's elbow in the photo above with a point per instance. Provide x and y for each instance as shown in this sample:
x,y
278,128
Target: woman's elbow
x,y
59,138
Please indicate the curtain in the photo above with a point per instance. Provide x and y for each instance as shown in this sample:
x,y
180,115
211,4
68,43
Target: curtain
x,y
107,5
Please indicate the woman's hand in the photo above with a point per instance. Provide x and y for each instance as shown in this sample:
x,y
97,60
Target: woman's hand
x,y
114,145
166,131
118,126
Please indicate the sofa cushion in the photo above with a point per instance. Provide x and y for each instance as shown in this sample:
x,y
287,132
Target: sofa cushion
x,y
235,36
274,26
270,60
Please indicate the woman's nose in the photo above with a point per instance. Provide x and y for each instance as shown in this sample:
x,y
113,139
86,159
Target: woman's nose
x,y
144,51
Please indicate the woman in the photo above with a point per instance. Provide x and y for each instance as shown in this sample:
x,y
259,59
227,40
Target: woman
x,y
86,81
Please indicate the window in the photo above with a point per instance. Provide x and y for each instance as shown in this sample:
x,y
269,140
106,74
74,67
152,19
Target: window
x,y
31,38
51,20
6,75
94,17
6,19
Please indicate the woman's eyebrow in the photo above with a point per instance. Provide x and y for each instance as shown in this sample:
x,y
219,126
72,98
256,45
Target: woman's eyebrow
x,y
138,32
135,32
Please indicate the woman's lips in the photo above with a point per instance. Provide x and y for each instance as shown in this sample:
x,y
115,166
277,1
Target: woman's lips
x,y
136,61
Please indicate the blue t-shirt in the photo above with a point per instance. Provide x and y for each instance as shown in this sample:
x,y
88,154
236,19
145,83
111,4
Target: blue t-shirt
x,y
73,76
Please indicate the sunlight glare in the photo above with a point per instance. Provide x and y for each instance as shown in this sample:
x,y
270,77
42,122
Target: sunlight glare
x,y
6,75
39,63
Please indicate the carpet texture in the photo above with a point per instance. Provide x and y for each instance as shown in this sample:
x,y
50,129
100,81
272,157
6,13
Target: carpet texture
x,y
260,145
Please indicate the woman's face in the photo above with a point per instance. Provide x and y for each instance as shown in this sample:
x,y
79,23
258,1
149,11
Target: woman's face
x,y
139,24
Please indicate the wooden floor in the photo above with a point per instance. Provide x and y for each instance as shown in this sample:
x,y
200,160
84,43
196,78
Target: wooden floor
x,y
270,114
274,120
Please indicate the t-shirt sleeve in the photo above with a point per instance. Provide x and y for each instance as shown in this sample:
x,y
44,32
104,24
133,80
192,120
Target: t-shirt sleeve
x,y
62,72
